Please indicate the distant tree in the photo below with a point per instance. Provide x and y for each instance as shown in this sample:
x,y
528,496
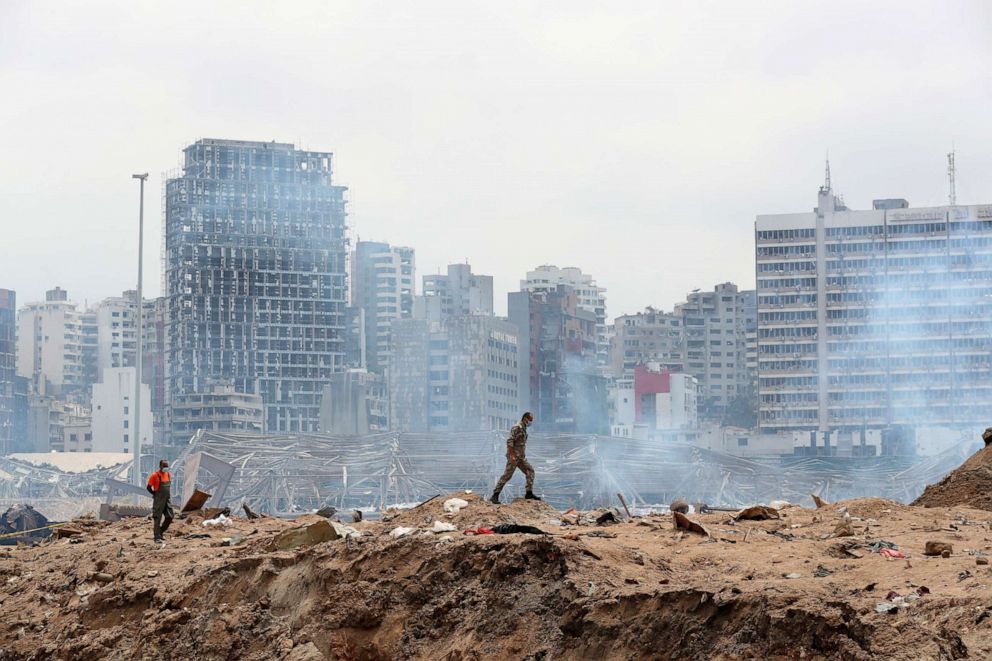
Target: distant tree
x,y
742,411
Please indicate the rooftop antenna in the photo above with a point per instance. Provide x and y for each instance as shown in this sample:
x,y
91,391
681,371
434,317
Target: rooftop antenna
x,y
826,185
952,196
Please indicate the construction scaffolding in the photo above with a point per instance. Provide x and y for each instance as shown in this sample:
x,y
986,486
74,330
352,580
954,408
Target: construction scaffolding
x,y
283,474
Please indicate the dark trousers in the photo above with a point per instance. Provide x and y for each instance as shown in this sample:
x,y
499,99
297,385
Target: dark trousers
x,y
162,514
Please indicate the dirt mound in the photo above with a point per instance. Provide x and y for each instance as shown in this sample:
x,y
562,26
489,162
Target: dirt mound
x,y
633,590
478,513
970,485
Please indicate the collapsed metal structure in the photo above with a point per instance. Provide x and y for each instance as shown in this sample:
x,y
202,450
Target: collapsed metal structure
x,y
281,474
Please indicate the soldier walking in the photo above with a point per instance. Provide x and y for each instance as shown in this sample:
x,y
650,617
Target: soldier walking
x,y
516,457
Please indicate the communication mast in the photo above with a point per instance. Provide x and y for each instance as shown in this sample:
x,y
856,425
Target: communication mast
x,y
952,196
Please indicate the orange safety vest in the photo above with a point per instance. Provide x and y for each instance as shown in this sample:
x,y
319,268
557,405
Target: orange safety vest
x,y
157,478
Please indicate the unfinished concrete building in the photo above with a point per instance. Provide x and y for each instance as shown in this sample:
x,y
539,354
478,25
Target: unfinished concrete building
x,y
219,409
255,275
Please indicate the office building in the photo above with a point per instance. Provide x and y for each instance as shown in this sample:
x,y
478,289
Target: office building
x,y
874,319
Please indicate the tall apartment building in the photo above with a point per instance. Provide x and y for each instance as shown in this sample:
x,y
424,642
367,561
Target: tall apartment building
x,y
709,336
874,318
382,285
50,346
559,374
456,374
116,345
591,297
8,369
651,336
460,292
715,328
255,276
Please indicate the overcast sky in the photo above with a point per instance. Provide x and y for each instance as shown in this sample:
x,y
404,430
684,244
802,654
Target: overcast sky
x,y
636,141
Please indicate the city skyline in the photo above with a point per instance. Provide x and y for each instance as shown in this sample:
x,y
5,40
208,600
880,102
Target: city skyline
x,y
461,151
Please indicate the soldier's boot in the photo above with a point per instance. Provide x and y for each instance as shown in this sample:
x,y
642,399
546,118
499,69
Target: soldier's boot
x,y
530,496
494,499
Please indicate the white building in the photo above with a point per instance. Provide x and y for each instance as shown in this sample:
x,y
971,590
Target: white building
x,y
460,292
591,297
382,284
714,332
116,340
876,318
50,345
114,412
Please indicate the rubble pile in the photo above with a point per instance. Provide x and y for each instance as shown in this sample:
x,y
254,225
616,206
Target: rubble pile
x,y
460,578
970,485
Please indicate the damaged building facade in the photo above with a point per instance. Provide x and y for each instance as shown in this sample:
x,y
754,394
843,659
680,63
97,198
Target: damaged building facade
x,y
255,276
458,373
560,380
874,319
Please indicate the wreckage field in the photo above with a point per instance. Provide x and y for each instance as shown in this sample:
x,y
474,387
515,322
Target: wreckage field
x,y
847,580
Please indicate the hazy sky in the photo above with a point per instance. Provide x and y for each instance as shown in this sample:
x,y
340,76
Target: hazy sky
x,y
634,140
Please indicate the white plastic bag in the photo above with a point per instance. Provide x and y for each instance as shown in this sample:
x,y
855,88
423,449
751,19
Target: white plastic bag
x,y
219,520
400,531
453,505
441,526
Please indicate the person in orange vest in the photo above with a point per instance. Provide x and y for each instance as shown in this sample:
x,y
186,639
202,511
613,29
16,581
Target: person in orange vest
x,y
159,486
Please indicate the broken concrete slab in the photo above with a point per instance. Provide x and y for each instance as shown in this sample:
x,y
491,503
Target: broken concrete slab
x,y
314,533
196,501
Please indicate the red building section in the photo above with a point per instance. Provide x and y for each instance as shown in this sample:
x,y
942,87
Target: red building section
x,y
647,382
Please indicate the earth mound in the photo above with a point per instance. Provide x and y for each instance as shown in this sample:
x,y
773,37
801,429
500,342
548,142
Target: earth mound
x,y
969,485
787,588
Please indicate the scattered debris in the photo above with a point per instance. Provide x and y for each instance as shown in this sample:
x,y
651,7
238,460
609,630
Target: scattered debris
x,y
511,528
400,531
779,504
327,512
937,548
683,522
819,502
356,516
680,505
196,501
886,608
981,560
220,520
624,503
248,512
821,571
756,513
441,526
454,505
892,554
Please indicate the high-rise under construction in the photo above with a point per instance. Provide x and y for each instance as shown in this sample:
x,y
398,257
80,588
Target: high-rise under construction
x,y
255,276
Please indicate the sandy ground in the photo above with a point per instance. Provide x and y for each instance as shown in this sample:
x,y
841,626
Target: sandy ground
x,y
640,589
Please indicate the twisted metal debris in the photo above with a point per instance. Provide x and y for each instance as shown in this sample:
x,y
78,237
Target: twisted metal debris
x,y
284,474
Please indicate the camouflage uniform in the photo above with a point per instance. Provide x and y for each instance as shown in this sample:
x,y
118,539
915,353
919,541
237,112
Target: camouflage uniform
x,y
517,445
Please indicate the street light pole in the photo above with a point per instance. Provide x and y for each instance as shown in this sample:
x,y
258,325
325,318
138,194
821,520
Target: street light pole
x,y
139,332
